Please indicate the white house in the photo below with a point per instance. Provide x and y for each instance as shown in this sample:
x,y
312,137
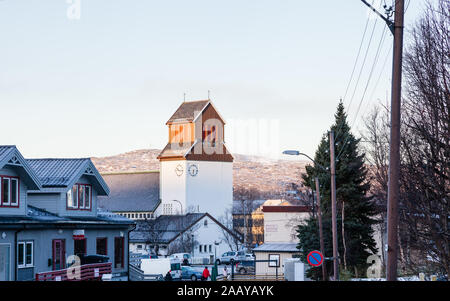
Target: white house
x,y
199,234
280,240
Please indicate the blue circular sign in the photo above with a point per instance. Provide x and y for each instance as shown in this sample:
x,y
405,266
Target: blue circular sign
x,y
315,258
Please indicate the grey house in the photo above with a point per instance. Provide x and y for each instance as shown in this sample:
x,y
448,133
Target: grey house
x,y
48,212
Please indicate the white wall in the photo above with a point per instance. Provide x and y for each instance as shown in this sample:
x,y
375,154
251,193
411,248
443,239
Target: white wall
x,y
281,226
172,187
211,190
207,235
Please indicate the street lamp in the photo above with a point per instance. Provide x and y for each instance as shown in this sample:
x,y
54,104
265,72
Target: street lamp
x,y
319,211
181,205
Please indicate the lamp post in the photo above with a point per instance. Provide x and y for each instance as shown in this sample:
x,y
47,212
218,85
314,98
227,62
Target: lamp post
x,y
319,210
181,205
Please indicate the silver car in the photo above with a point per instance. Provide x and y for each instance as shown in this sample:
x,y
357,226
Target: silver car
x,y
244,256
227,258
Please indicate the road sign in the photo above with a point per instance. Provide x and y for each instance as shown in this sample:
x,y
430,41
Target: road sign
x,y
315,258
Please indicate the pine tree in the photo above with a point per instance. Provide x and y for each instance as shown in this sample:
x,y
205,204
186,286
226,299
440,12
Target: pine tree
x,y
355,209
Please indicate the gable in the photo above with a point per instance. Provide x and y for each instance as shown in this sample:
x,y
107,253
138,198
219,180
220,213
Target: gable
x,y
11,158
64,173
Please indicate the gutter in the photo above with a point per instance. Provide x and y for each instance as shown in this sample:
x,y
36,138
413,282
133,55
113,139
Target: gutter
x,y
128,246
15,251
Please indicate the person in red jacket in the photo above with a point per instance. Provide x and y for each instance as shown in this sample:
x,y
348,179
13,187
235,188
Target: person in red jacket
x,y
205,274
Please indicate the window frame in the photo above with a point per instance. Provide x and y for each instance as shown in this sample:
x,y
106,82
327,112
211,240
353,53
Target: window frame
x,y
24,264
122,255
76,202
106,245
271,264
10,204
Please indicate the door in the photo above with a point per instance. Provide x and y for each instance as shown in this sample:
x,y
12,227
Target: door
x,y
119,252
59,254
5,262
79,247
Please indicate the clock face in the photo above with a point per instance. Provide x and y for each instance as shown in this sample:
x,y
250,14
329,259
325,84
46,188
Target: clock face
x,y
193,170
179,170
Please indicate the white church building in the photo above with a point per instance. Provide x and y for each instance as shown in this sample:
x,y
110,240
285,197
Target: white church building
x,y
196,170
193,187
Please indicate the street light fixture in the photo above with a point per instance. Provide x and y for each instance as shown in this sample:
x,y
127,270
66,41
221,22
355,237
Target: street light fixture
x,y
319,211
181,205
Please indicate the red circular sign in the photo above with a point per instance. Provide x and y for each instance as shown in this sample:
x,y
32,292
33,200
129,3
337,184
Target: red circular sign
x,y
315,258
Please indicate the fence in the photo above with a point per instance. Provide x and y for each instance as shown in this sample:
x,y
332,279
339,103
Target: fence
x,y
87,272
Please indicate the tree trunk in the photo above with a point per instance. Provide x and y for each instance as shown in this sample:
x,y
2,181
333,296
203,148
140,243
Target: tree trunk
x,y
343,236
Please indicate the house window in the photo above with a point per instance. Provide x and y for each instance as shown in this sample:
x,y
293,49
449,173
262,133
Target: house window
x,y
118,252
205,223
200,248
139,247
210,248
9,191
79,197
167,209
25,254
274,257
102,246
79,247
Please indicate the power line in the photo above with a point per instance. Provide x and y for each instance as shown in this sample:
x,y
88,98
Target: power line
x,y
362,66
388,54
357,56
377,55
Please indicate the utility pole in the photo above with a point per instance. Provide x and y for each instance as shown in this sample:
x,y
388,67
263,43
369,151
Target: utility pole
x,y
322,245
333,208
396,28
394,151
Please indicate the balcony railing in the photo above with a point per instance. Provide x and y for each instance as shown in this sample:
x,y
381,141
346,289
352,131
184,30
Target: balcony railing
x,y
87,272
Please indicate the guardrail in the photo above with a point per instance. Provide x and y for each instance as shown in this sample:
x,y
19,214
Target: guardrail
x,y
237,277
87,272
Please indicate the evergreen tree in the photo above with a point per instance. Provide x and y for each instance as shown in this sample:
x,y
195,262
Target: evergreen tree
x,y
355,209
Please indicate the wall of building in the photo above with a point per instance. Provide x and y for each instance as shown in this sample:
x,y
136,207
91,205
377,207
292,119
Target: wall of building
x,y
281,226
21,210
206,236
211,190
7,251
42,244
262,268
47,201
64,211
172,187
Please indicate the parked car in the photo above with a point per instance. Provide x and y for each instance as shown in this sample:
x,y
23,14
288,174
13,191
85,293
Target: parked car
x,y
90,259
227,258
175,270
184,258
244,256
245,267
189,273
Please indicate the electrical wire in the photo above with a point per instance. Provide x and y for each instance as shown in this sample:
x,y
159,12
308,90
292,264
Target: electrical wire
x,y
377,55
357,57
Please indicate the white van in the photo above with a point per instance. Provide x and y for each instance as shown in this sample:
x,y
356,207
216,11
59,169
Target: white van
x,y
160,266
183,258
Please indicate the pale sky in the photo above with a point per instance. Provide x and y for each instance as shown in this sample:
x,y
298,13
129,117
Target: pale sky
x,y
107,82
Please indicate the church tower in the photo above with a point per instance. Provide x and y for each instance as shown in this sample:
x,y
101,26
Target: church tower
x,y
196,168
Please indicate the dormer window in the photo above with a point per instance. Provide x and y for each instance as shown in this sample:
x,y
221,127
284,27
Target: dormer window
x,y
79,197
9,191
